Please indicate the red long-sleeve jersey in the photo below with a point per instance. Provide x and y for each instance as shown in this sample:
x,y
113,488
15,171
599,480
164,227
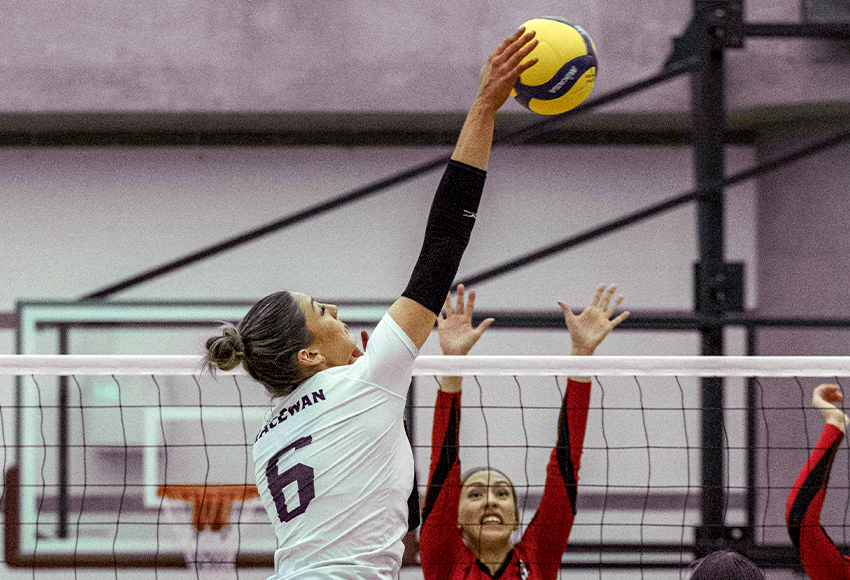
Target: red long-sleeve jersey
x,y
821,559
537,556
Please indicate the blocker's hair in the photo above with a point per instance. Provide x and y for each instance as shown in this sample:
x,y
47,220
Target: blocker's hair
x,y
266,343
725,565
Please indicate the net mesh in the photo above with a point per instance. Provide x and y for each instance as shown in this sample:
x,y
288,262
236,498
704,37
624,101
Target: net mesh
x,y
84,477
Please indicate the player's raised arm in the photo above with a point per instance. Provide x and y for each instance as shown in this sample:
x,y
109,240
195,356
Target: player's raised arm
x,y
820,557
457,335
455,204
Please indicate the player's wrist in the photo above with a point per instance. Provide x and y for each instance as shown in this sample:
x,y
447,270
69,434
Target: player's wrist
x,y
836,420
451,384
482,108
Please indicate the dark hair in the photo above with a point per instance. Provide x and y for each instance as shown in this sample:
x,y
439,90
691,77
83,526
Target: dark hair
x,y
469,473
266,343
725,565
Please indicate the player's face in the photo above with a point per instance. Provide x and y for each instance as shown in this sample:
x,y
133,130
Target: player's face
x,y
487,512
330,334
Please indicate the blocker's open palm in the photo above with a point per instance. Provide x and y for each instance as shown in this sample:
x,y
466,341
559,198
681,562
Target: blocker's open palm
x,y
457,335
589,329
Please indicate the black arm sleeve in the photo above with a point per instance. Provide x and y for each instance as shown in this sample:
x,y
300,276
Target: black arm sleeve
x,y
446,235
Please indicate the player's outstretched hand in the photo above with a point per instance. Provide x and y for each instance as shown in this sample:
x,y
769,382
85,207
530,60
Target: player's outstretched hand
x,y
503,68
457,336
824,398
589,329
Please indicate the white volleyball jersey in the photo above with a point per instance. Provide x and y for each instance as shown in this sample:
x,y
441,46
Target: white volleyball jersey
x,y
334,467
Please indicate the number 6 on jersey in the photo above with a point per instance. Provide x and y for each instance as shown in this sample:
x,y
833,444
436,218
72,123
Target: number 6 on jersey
x,y
303,474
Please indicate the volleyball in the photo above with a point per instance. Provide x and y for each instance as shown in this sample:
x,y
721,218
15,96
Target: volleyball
x,y
565,71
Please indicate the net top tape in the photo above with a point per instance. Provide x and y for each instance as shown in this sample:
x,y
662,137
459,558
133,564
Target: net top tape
x,y
695,366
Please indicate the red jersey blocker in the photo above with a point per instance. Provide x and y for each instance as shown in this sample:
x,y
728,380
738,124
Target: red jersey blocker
x,y
821,559
537,556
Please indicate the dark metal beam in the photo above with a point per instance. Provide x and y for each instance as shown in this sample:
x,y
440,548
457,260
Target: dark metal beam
x,y
64,464
653,210
792,30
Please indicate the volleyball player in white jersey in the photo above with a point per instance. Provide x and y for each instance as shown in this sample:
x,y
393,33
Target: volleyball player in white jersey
x,y
333,465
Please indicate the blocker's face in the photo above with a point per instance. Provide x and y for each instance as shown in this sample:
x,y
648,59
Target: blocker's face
x,y
487,511
330,335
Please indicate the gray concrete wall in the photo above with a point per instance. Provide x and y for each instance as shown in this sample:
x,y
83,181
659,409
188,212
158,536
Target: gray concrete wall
x,y
349,55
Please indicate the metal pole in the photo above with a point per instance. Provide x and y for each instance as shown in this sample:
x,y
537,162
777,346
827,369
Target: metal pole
x,y
752,480
63,467
708,117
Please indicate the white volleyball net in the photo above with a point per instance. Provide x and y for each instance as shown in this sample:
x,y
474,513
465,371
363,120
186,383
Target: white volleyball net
x,y
131,462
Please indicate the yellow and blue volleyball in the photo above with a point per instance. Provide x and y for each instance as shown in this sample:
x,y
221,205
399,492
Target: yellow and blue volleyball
x,y
565,71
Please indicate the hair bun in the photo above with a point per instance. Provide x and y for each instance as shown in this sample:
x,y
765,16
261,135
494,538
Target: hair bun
x,y
227,351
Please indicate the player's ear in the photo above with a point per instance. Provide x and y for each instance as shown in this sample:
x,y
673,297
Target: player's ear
x,y
309,357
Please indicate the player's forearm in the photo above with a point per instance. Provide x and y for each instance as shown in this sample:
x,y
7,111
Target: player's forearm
x,y
572,421
476,137
578,350
451,384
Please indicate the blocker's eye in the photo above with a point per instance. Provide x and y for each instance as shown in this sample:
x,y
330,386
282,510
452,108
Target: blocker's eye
x,y
323,310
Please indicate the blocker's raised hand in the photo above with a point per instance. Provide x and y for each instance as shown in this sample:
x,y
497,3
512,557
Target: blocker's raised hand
x,y
457,336
825,398
589,329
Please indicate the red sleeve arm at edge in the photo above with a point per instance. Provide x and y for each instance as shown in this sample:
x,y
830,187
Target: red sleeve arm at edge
x,y
820,557
438,536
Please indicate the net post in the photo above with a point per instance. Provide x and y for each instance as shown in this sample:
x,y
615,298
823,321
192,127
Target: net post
x,y
708,119
752,435
63,463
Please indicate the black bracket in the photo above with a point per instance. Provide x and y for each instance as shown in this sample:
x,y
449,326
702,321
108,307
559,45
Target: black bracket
x,y
725,21
720,290
715,24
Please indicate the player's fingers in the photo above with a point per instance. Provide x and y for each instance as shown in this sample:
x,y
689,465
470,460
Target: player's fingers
x,y
459,307
517,43
485,324
514,63
510,40
568,313
448,305
833,393
616,304
598,296
606,298
470,303
825,388
619,319
824,394
523,67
